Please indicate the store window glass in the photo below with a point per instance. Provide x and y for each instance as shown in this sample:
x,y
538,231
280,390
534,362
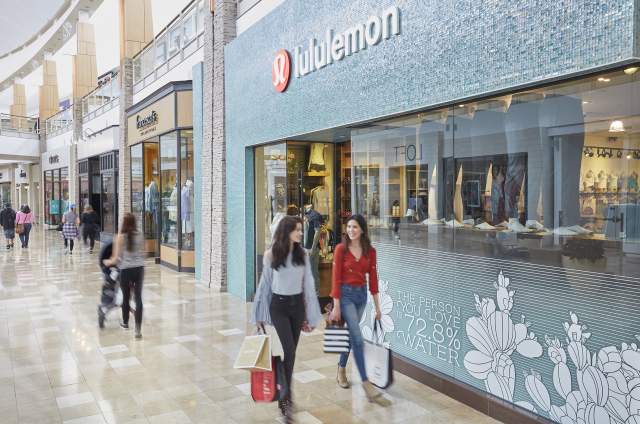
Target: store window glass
x,y
109,201
170,188
64,187
56,203
271,195
399,171
48,195
187,192
151,190
137,185
84,191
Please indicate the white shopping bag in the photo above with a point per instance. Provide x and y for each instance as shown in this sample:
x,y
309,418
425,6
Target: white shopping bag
x,y
276,346
377,359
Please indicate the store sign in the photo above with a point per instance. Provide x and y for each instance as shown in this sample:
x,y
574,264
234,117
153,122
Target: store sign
x,y
145,123
335,47
23,173
158,118
281,71
54,159
408,152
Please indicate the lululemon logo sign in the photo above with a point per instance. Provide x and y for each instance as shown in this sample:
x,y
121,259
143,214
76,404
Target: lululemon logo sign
x,y
281,71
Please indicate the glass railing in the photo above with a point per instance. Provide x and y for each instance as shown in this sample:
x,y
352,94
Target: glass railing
x,y
179,40
19,126
60,123
101,100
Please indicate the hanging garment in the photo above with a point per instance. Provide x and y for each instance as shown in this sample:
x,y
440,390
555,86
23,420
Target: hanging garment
x,y
433,196
321,200
316,159
458,208
313,221
172,208
497,196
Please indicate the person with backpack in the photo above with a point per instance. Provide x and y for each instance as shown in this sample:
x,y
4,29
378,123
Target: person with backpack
x,y
24,222
8,222
90,226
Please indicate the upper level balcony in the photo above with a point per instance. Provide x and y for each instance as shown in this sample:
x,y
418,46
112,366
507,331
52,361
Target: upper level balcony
x,y
170,55
19,137
101,100
59,123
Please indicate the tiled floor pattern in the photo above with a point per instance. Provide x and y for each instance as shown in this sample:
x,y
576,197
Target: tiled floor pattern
x,y
56,366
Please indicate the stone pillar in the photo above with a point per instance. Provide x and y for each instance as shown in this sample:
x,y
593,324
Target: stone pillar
x,y
76,110
13,195
48,92
220,29
18,109
124,154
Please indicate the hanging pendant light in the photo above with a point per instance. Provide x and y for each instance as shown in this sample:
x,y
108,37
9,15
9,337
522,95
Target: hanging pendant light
x,y
616,126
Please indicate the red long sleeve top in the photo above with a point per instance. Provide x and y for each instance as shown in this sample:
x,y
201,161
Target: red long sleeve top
x,y
348,270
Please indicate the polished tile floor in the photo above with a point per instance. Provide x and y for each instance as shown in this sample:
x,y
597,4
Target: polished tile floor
x,y
57,366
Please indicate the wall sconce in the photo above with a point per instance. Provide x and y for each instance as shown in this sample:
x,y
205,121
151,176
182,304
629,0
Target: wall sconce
x,y
616,126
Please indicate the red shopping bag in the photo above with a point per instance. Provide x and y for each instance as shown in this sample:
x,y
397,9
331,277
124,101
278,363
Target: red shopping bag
x,y
269,386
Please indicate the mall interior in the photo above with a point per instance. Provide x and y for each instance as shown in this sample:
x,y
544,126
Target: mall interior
x,y
493,149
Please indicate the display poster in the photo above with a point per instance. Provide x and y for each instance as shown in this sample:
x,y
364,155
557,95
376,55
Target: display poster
x,y
559,342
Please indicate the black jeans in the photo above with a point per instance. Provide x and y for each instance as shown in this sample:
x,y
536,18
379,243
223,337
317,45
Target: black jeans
x,y
91,235
287,316
24,237
132,277
70,244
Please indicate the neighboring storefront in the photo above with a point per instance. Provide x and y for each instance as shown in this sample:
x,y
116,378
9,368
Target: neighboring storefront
x,y
502,199
98,178
162,173
5,186
55,178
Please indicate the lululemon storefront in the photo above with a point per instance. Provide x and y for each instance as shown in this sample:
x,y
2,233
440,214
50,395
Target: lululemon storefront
x,y
499,177
162,173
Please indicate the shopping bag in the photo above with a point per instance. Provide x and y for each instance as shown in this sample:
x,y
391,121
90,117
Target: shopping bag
x,y
269,386
336,339
255,354
19,228
378,361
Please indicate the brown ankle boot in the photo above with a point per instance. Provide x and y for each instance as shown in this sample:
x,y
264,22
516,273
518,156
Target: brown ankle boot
x,y
373,395
341,378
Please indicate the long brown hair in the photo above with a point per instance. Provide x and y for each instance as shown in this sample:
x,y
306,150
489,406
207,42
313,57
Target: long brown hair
x,y
129,229
365,242
281,243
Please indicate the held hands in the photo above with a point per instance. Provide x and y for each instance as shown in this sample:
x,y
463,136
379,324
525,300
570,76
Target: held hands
x,y
335,315
378,314
306,327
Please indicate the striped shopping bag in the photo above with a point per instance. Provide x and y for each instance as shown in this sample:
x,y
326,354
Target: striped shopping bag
x,y
336,339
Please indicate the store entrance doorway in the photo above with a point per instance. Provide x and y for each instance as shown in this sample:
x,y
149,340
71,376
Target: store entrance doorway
x,y
311,180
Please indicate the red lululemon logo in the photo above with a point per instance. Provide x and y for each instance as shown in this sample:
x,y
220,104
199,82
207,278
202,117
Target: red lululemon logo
x,y
281,71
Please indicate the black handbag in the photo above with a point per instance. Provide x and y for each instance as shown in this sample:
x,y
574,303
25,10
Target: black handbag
x,y
59,227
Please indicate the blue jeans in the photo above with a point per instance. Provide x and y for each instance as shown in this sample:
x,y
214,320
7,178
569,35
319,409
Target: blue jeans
x,y
353,300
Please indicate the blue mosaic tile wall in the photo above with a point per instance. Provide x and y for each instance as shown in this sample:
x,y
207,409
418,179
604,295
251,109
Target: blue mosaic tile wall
x,y
447,50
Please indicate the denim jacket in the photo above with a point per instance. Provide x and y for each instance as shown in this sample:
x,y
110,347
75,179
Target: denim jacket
x,y
262,299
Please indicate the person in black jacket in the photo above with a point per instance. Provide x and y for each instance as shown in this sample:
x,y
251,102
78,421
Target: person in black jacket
x,y
8,222
90,226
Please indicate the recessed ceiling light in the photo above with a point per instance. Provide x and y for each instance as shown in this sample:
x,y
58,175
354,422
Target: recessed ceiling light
x,y
632,70
603,79
460,105
616,126
585,102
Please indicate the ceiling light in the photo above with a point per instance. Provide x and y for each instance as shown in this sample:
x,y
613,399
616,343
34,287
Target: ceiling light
x,y
632,70
616,126
628,155
460,105
603,79
585,102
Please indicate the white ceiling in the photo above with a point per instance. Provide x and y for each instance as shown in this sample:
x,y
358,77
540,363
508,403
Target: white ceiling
x,y
21,19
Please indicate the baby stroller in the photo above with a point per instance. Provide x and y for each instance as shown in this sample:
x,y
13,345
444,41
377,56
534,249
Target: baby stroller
x,y
108,294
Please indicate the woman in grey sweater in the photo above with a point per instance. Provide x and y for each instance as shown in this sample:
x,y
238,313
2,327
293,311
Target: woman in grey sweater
x,y
286,296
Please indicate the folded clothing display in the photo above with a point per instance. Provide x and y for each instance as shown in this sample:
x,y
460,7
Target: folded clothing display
x,y
432,221
515,226
580,230
533,224
485,226
454,224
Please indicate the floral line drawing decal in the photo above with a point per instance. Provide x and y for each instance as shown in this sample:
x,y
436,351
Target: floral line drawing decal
x,y
386,322
496,338
608,389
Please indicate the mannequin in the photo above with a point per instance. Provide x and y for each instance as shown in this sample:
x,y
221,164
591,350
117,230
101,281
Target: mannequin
x,y
186,213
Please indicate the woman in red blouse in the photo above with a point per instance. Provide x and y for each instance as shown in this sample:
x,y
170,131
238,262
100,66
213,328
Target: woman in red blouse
x,y
353,260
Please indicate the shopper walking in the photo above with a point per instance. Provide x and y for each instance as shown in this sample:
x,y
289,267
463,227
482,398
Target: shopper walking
x,y
70,222
24,218
286,296
8,222
90,226
128,257
353,260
